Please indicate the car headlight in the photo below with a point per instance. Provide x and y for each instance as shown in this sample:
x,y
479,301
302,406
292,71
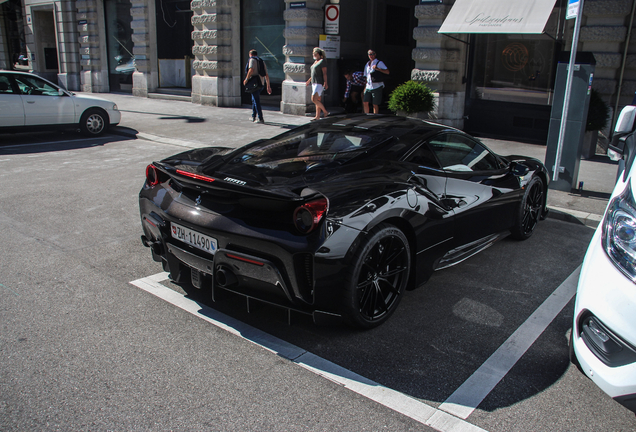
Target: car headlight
x,y
619,233
115,107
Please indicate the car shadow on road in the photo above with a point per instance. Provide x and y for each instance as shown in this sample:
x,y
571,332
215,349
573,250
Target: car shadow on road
x,y
53,141
444,331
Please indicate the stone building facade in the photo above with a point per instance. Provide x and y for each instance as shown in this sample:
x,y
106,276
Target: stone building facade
x,y
69,41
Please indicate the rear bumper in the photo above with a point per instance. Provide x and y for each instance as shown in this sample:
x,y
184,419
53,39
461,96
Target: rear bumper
x,y
254,267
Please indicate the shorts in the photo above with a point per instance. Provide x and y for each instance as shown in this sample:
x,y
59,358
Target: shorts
x,y
374,95
316,89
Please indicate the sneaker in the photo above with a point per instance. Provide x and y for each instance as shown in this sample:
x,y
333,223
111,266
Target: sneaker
x,y
253,119
259,121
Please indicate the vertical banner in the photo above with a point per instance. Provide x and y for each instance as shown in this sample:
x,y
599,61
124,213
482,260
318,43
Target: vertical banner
x,y
332,19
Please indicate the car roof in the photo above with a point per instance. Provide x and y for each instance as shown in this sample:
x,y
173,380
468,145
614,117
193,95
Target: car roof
x,y
390,124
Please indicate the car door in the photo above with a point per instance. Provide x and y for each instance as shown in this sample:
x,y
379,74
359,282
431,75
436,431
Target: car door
x,y
481,190
42,102
11,109
427,195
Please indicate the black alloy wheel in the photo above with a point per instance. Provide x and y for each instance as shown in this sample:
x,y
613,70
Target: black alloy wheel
x,y
94,122
530,210
378,277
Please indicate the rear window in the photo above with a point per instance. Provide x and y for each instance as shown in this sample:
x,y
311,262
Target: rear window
x,y
310,147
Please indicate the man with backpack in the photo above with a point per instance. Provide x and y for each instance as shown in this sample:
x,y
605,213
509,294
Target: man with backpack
x,y
256,69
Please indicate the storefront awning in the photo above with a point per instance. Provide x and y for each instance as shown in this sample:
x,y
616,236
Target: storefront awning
x,y
498,16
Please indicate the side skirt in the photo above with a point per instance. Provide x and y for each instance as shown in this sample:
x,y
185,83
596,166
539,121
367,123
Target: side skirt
x,y
464,252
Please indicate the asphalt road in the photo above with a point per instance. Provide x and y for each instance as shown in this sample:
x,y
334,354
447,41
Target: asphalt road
x,y
83,348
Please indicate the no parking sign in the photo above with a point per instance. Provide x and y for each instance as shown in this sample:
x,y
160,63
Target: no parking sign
x,y
332,19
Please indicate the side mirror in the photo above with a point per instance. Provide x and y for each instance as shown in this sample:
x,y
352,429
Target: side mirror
x,y
519,169
61,92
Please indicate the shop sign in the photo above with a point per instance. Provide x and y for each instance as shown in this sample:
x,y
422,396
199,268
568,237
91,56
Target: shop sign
x,y
297,5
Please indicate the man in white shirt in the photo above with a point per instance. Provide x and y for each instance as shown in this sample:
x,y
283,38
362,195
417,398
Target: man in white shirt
x,y
374,71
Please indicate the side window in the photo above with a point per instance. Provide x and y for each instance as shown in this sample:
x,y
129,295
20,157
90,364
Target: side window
x,y
459,153
5,85
423,156
35,86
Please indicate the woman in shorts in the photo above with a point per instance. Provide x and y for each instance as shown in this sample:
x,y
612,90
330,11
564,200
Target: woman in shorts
x,y
318,81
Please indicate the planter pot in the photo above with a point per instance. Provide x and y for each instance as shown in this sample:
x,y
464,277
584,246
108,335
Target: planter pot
x,y
418,115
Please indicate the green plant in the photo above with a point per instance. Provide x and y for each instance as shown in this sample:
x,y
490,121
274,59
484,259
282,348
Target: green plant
x,y
597,114
412,97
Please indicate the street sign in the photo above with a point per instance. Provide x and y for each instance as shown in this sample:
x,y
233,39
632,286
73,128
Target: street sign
x,y
573,9
332,19
331,45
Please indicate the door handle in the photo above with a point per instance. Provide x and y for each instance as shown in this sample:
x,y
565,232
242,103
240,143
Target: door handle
x,y
31,102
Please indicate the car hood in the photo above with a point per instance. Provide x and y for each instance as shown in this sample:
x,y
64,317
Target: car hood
x,y
93,100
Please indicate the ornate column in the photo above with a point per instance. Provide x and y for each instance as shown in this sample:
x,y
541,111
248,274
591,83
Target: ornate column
x,y
92,43
439,63
302,30
217,52
5,61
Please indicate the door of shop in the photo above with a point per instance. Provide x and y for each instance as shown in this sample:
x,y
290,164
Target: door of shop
x,y
121,61
262,29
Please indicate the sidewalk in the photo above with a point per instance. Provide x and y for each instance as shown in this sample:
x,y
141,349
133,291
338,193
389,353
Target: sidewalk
x,y
189,125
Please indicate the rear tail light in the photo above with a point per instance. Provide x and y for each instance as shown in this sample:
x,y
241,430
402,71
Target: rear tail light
x,y
308,216
152,175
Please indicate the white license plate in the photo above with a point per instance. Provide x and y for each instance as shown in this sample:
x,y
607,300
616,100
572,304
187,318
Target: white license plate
x,y
198,240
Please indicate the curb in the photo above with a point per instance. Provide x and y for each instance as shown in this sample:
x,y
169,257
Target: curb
x,y
591,220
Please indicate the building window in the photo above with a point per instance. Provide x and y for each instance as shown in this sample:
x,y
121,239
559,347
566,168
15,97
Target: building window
x,y
514,68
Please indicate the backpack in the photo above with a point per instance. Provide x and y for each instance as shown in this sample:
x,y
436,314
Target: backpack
x,y
261,67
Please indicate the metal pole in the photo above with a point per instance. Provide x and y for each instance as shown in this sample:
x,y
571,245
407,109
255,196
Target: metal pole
x,y
568,88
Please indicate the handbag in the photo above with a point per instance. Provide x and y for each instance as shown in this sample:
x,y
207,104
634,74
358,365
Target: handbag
x,y
254,84
377,76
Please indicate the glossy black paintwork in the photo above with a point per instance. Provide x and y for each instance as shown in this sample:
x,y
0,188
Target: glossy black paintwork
x,y
251,213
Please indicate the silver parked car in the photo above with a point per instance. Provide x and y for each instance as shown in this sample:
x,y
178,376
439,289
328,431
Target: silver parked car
x,y
29,102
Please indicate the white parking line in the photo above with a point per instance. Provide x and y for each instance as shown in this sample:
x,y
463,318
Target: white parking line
x,y
392,399
469,395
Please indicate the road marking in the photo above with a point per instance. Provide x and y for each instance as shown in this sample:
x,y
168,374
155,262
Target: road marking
x,y
3,286
392,399
474,390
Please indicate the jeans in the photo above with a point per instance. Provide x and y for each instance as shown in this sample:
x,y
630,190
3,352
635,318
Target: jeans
x,y
256,105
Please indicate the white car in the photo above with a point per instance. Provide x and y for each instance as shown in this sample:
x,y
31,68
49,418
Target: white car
x,y
29,102
603,340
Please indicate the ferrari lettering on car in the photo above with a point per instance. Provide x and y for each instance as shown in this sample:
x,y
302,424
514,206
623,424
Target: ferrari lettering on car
x,y
337,218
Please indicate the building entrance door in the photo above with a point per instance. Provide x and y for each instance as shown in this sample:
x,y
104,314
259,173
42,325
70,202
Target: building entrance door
x,y
121,61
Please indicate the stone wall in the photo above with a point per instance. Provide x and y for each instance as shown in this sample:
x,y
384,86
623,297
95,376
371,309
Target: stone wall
x,y
302,30
604,30
439,62
92,46
145,77
216,50
5,62
67,45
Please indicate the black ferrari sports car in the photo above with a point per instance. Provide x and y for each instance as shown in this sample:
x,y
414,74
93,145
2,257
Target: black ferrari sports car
x,y
336,218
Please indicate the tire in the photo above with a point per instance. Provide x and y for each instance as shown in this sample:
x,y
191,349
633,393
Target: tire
x,y
377,278
94,122
530,210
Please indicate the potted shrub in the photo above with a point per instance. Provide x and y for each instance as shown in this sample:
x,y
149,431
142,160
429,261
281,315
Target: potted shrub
x,y
597,116
412,97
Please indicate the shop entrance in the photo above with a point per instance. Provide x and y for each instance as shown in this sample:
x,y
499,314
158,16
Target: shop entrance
x,y
121,61
174,44
262,30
